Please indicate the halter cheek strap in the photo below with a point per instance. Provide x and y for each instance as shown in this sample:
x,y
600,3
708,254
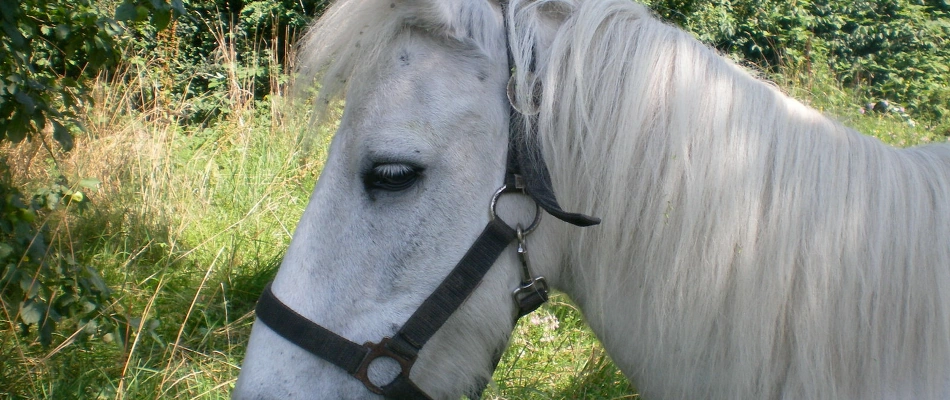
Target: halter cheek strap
x,y
527,161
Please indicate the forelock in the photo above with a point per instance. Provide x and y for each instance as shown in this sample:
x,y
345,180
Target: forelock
x,y
348,39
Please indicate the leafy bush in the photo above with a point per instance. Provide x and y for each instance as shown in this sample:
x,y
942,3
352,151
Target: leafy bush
x,y
224,54
897,50
50,50
39,285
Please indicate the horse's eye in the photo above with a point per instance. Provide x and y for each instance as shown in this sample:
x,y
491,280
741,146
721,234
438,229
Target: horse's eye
x,y
392,177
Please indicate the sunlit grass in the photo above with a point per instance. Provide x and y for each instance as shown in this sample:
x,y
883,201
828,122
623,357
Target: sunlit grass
x,y
554,355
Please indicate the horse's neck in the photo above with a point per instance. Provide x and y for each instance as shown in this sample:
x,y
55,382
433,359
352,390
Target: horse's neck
x,y
678,169
735,220
726,209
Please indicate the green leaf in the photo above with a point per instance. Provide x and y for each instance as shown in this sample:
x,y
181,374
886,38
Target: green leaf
x,y
52,201
152,324
13,33
90,183
126,12
27,215
112,28
62,31
62,135
31,312
16,130
178,6
97,282
142,12
5,250
66,299
90,327
29,106
88,306
161,19
29,286
10,273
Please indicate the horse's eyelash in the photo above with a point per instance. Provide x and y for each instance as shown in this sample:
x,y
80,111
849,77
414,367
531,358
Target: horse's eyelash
x,y
394,169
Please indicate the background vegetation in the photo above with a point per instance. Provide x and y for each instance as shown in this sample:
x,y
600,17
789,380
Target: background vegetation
x,y
152,172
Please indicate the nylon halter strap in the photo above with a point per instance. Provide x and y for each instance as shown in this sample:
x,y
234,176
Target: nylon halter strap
x,y
526,174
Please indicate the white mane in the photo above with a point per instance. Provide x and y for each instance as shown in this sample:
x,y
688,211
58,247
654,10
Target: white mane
x,y
750,246
755,248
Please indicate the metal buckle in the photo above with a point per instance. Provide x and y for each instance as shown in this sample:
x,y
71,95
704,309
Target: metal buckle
x,y
378,350
533,291
530,295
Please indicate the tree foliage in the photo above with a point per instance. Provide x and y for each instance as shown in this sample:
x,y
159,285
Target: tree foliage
x,y
893,49
40,285
50,50
225,52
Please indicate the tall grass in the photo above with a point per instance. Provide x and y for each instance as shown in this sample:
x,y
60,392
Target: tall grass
x,y
814,84
191,221
187,225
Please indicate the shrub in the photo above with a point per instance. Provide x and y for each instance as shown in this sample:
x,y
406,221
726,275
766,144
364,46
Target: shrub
x,y
51,49
225,54
894,50
39,285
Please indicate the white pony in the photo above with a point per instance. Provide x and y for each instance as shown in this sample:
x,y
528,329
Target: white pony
x,y
751,248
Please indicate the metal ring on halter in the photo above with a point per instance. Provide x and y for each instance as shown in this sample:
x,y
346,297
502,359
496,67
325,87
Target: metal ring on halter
x,y
494,202
377,351
533,107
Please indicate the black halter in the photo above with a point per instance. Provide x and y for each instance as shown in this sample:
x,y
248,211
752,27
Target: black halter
x,y
525,173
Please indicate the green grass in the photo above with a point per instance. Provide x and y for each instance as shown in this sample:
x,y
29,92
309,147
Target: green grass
x,y
191,222
554,355
816,87
187,226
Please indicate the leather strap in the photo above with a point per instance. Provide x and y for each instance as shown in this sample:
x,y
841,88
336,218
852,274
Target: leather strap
x,y
527,161
323,343
308,335
418,329
458,285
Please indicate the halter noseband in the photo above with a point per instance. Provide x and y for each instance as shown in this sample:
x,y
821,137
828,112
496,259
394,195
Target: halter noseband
x,y
525,173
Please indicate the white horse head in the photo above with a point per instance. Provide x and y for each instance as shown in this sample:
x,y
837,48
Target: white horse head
x,y
405,191
751,247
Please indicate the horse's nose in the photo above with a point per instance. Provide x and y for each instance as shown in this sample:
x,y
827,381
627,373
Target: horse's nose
x,y
275,368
